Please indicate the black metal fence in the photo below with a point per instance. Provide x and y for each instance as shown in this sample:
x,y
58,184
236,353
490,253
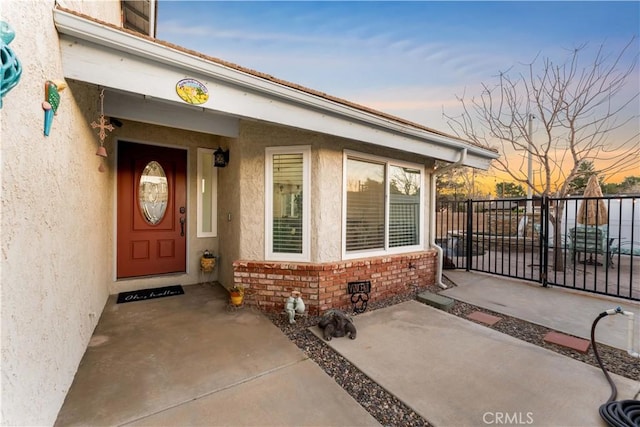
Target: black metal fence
x,y
587,244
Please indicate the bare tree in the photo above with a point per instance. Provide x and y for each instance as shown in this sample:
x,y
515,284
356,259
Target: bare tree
x,y
577,110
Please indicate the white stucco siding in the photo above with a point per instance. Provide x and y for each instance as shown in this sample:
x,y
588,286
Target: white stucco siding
x,y
326,186
55,224
229,216
253,140
106,10
326,204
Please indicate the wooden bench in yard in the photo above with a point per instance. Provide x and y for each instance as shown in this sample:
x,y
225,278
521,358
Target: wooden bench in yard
x,y
590,240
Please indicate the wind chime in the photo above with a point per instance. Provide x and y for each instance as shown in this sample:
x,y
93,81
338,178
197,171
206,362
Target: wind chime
x,y
102,134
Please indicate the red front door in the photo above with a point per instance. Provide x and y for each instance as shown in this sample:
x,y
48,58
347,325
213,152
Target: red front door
x,y
152,227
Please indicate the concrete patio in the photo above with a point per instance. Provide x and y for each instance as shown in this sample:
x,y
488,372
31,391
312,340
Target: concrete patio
x,y
457,373
188,360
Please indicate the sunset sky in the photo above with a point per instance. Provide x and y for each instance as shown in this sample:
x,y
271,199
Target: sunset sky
x,y
409,59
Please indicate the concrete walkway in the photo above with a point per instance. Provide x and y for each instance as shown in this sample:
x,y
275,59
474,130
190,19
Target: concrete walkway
x,y
186,360
454,372
561,309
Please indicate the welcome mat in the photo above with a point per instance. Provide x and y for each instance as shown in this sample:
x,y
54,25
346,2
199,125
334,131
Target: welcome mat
x,y
145,294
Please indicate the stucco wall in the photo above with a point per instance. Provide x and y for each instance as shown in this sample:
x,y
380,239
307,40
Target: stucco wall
x,y
251,143
108,10
326,186
254,138
55,223
229,211
326,223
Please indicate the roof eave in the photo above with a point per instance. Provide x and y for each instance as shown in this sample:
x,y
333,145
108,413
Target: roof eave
x,y
89,30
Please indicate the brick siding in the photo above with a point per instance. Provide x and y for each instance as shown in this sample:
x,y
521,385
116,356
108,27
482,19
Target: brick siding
x,y
324,286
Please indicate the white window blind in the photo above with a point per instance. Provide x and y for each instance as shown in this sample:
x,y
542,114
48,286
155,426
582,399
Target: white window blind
x,y
383,205
287,203
287,210
365,205
404,207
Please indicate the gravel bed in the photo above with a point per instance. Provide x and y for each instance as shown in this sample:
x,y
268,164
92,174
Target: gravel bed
x,y
386,408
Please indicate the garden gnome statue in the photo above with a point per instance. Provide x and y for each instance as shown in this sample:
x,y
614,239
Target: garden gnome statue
x,y
290,308
293,305
298,304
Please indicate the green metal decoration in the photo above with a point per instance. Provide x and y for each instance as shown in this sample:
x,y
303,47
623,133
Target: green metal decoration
x,y
51,102
11,69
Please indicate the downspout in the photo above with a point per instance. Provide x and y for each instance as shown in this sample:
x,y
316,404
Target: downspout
x,y
432,210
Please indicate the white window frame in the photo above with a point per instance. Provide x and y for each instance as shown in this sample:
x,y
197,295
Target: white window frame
x,y
388,162
214,196
305,256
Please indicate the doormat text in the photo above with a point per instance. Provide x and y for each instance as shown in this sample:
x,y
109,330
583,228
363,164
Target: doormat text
x,y
145,294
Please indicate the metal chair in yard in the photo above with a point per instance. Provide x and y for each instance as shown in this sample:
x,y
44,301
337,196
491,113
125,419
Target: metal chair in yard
x,y
592,240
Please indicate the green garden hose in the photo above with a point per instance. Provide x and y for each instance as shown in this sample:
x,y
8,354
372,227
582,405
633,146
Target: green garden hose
x,y
621,413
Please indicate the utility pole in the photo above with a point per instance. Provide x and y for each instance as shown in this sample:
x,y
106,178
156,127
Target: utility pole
x,y
530,176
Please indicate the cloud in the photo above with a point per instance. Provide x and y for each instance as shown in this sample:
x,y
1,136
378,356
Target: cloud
x,y
171,29
361,49
409,67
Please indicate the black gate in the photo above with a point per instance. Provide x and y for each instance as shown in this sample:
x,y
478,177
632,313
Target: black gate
x,y
588,244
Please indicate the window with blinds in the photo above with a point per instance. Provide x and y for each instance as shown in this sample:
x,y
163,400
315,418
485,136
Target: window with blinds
x,y
287,203
404,207
383,205
287,211
365,205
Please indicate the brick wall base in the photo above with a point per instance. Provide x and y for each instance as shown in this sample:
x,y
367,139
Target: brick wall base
x,y
324,286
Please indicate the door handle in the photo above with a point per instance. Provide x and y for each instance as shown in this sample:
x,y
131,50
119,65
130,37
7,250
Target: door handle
x,y
182,221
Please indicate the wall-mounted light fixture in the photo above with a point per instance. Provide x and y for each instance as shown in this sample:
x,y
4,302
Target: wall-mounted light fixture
x,y
220,158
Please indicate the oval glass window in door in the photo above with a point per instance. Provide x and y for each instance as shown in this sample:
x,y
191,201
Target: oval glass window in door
x,y
153,193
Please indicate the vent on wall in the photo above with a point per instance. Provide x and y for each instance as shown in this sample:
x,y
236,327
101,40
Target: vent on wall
x,y
140,16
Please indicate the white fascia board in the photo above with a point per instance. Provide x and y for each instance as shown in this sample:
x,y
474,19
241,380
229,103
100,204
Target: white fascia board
x,y
238,93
